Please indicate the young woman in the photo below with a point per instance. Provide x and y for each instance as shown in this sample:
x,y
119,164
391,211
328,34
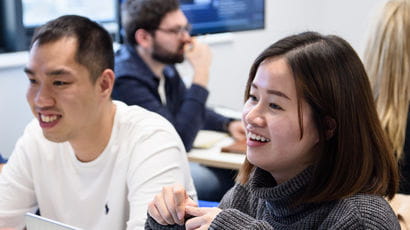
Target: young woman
x,y
317,157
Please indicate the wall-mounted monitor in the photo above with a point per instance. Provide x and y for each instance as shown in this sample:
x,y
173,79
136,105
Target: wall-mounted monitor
x,y
23,16
219,16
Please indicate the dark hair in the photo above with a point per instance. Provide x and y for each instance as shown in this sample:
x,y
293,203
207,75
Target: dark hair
x,y
330,76
94,43
144,14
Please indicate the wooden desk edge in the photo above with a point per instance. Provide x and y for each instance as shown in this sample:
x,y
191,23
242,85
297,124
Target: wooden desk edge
x,y
215,163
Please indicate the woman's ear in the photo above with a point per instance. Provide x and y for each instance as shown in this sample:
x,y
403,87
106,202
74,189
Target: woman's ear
x,y
330,127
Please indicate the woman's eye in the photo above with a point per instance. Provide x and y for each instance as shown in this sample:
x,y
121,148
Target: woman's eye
x,y
60,83
252,98
275,106
32,81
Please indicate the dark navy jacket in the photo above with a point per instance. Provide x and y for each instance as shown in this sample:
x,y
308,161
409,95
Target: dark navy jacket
x,y
136,84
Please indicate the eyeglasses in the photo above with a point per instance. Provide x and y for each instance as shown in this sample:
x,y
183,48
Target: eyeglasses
x,y
179,31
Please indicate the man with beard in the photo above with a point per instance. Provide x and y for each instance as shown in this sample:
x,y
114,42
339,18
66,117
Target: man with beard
x,y
157,37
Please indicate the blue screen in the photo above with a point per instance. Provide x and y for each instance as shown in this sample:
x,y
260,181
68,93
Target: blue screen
x,y
217,16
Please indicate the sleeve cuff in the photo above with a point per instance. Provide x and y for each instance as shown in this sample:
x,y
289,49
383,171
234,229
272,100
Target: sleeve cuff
x,y
226,124
234,219
197,93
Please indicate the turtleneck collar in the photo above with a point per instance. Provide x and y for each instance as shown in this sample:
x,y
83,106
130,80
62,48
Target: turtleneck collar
x,y
279,197
265,187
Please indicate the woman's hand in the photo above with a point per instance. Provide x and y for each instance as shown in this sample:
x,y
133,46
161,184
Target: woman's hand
x,y
169,207
202,217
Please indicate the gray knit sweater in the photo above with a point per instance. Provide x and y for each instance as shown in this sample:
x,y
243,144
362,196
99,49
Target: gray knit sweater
x,y
261,204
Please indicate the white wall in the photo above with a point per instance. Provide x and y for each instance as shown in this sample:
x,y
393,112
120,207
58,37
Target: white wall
x,y
349,19
14,111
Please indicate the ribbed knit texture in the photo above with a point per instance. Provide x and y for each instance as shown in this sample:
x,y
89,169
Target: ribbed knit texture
x,y
261,204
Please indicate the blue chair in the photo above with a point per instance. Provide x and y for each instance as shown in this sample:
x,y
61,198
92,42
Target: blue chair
x,y
210,204
2,159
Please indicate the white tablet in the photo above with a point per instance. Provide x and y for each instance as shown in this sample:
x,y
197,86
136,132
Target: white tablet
x,y
35,222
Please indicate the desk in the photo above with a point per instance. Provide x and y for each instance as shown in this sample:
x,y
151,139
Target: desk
x,y
215,158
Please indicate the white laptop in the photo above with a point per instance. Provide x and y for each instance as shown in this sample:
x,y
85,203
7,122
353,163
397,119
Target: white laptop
x,y
35,222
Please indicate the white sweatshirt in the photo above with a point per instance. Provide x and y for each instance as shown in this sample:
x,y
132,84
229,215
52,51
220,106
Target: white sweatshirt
x,y
144,154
